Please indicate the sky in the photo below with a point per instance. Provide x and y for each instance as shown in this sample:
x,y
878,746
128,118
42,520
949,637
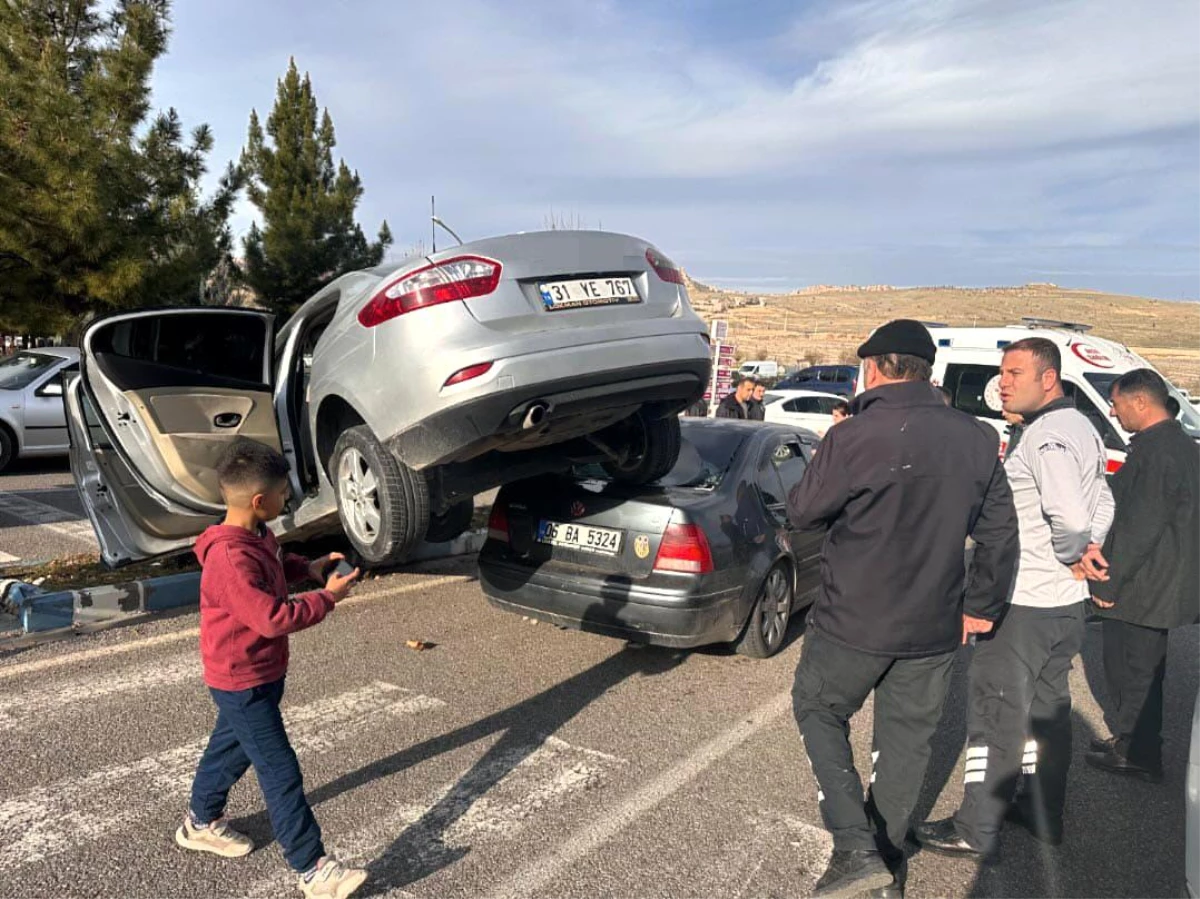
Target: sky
x,y
765,146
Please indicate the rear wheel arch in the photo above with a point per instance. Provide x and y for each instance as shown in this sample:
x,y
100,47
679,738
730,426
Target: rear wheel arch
x,y
335,416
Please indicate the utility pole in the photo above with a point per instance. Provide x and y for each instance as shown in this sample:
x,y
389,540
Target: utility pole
x,y
433,223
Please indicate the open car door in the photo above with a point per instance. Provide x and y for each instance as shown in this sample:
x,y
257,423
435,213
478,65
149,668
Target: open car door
x,y
159,397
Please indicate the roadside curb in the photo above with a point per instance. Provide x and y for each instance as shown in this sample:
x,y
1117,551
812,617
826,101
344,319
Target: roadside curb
x,y
88,606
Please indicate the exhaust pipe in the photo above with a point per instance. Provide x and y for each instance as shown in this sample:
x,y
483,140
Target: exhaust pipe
x,y
534,416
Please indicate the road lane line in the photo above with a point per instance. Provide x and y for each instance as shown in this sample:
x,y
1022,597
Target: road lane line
x,y
31,708
608,823
492,801
193,633
52,518
64,815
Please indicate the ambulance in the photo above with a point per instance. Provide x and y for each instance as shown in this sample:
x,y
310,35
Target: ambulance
x,y
968,366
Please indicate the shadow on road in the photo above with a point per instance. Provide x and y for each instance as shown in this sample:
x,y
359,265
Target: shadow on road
x,y
419,850
1123,837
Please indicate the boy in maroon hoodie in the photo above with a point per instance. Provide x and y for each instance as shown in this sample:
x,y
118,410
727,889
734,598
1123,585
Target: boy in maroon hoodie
x,y
245,617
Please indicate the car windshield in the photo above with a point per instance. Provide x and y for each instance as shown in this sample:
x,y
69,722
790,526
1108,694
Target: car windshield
x,y
19,371
705,455
1189,417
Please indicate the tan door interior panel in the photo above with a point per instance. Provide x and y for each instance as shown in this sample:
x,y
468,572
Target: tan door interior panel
x,y
191,429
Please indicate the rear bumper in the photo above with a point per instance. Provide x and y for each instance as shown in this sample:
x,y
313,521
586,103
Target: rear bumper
x,y
584,389
615,607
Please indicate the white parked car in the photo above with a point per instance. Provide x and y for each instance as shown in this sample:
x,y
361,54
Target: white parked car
x,y
32,420
802,408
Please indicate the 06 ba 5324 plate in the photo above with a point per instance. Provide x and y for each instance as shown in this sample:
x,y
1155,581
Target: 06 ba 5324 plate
x,y
582,537
588,292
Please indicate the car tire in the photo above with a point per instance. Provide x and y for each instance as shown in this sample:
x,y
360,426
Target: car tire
x,y
453,522
653,449
382,503
8,448
767,625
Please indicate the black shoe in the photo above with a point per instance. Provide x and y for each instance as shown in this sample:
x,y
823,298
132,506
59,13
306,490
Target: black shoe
x,y
851,873
943,836
1114,762
1022,814
1102,744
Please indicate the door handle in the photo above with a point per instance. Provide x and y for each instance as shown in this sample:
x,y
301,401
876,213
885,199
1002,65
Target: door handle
x,y
227,420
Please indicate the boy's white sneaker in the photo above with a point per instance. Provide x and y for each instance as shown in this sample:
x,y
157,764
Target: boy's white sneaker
x,y
218,838
330,879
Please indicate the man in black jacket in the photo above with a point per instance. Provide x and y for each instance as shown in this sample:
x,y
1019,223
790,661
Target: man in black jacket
x,y
737,404
756,409
1154,572
900,486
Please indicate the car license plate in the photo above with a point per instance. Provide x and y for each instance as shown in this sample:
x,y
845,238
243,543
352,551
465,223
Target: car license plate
x,y
580,536
588,292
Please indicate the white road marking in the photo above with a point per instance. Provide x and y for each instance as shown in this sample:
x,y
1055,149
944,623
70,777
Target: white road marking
x,y
52,518
541,871
5,558
30,708
61,816
515,785
193,633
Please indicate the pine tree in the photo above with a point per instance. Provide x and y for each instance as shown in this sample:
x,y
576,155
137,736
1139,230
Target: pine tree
x,y
99,209
309,235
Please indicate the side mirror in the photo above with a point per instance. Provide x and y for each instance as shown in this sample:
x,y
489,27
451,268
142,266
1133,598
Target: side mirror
x,y
53,388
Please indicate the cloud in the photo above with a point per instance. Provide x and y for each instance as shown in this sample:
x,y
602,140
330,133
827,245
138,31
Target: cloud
x,y
889,140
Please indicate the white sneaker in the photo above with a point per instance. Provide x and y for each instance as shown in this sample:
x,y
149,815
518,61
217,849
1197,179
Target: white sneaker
x,y
218,838
331,880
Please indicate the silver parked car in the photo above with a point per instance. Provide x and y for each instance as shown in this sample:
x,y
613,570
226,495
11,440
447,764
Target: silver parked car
x,y
397,393
32,422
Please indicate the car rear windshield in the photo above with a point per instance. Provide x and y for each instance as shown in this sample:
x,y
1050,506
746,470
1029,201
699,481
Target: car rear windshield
x,y
19,371
1189,417
705,455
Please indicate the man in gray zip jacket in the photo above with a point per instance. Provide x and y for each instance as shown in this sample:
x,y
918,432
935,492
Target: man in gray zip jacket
x,y
1019,714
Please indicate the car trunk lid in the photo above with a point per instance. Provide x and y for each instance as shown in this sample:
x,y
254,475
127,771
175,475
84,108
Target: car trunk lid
x,y
596,526
532,262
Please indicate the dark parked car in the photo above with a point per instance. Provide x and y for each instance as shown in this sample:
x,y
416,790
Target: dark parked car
x,y
839,379
702,555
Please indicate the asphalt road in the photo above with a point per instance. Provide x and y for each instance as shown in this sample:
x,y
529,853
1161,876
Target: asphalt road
x,y
40,513
508,760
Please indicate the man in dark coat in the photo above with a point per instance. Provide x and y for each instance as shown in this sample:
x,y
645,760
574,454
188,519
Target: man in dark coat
x,y
1154,572
899,486
756,409
737,404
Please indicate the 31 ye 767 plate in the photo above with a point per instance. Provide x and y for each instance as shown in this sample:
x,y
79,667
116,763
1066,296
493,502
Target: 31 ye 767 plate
x,y
588,292
582,537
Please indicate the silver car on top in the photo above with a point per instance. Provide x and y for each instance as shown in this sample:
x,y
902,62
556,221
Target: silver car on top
x,y
397,393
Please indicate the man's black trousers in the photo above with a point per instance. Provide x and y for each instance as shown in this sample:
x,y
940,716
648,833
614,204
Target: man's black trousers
x,y
832,683
1019,719
1135,664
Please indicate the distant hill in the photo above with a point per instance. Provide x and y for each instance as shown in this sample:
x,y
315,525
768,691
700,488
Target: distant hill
x,y
826,324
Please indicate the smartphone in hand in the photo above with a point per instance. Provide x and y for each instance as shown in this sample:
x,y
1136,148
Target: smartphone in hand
x,y
340,567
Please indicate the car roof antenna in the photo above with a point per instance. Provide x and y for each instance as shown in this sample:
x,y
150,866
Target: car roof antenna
x,y
436,223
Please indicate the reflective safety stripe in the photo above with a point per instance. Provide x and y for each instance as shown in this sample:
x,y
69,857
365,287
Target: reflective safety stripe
x,y
977,765
974,777
1030,746
1029,769
977,752
820,796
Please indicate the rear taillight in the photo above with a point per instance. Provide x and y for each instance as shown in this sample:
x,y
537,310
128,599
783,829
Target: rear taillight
x,y
684,548
466,374
664,267
498,524
460,278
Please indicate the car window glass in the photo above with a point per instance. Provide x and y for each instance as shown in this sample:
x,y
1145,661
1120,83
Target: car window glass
x,y
967,384
843,376
790,463
706,453
1100,420
54,386
768,478
19,371
198,342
